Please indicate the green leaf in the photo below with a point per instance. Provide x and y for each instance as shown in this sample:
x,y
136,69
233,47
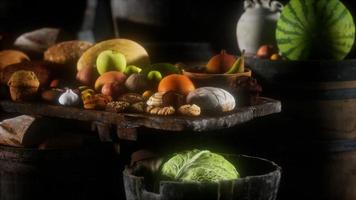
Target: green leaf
x,y
199,166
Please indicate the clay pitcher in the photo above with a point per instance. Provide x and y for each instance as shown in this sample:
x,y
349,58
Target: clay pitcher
x,y
257,25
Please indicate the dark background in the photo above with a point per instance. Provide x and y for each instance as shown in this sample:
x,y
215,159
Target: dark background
x,y
212,22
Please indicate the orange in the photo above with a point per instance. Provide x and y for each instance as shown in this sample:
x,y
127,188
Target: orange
x,y
177,83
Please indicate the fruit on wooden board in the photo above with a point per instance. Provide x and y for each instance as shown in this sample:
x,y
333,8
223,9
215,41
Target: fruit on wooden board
x,y
212,99
113,89
134,53
276,56
165,68
136,83
147,94
110,77
265,51
154,76
110,60
132,69
8,57
220,63
23,85
238,66
177,83
86,76
315,29
67,53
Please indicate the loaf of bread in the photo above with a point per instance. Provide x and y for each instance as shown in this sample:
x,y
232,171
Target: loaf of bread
x,y
41,69
23,85
212,100
66,53
9,57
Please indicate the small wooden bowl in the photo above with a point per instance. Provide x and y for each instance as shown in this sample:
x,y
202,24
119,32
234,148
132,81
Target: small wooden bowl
x,y
224,81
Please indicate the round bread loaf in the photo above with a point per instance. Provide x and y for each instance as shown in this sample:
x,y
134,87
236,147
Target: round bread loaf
x,y
212,99
67,53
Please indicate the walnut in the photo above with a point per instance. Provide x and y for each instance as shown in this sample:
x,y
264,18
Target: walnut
x,y
189,110
160,110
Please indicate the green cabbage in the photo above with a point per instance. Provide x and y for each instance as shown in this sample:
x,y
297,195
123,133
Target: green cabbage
x,y
199,166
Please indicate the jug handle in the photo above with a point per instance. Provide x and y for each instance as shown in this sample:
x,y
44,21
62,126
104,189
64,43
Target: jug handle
x,y
265,3
276,6
248,4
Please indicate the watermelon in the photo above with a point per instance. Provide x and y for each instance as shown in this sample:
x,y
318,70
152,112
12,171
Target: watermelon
x,y
315,29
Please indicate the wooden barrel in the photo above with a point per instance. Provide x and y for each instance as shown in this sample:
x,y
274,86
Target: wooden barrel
x,y
86,173
259,181
319,116
321,94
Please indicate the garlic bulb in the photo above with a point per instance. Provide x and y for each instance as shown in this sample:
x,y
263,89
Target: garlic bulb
x,y
69,98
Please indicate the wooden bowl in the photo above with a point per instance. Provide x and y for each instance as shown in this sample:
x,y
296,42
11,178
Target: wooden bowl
x,y
216,80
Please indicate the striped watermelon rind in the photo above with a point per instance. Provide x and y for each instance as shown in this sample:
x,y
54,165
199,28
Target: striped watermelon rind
x,y
315,29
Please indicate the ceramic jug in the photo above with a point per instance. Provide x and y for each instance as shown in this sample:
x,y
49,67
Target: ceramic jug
x,y
257,25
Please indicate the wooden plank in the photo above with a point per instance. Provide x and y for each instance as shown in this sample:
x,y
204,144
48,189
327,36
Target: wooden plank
x,y
265,107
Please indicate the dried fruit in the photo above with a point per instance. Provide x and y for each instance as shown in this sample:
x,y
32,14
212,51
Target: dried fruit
x,y
147,94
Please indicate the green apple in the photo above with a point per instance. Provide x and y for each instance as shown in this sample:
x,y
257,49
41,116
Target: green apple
x,y
154,76
132,69
110,60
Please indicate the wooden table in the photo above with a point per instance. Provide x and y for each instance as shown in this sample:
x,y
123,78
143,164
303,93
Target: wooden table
x,y
126,123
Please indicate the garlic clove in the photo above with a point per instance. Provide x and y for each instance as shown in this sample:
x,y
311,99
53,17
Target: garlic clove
x,y
69,98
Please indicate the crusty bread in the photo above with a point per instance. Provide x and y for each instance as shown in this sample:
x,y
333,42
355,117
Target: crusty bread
x,y
8,57
67,53
41,69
